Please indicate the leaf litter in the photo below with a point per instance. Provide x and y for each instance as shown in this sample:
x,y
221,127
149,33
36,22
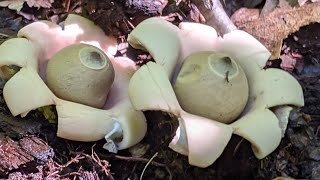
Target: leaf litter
x,y
271,29
18,4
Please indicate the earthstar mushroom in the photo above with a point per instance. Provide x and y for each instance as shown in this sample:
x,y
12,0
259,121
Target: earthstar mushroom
x,y
193,130
49,37
120,124
159,38
251,56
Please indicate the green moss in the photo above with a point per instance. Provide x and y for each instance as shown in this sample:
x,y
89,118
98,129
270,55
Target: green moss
x,y
49,113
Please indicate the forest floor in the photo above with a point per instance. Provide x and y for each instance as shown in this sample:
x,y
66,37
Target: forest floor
x,y
298,155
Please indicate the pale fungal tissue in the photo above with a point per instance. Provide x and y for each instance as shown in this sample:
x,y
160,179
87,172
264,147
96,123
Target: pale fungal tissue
x,y
215,86
102,110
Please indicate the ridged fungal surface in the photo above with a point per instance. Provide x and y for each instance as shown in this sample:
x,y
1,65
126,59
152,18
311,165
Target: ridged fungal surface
x,y
215,86
89,86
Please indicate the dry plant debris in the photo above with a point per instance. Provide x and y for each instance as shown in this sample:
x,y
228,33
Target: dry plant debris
x,y
302,2
215,15
14,5
276,26
19,156
39,3
150,7
18,4
37,148
13,154
15,128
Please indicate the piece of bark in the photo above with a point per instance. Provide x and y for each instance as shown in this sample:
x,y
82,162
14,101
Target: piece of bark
x,y
108,15
88,175
37,148
20,176
16,127
149,7
14,154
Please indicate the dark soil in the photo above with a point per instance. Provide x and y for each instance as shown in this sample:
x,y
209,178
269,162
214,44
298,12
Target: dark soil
x,y
299,153
298,156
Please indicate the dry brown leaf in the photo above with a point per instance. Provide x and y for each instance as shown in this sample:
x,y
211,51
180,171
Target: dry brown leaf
x,y
276,26
39,3
13,4
18,4
289,60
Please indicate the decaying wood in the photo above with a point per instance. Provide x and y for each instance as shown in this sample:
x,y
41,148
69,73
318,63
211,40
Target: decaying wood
x,y
37,148
149,7
14,154
20,176
16,127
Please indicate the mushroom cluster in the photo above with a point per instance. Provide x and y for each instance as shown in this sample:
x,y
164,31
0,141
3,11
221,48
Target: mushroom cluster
x,y
215,86
88,86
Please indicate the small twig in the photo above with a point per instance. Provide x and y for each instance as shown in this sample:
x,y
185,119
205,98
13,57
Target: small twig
x,y
144,169
268,7
237,147
128,23
146,161
227,76
134,168
215,15
73,160
318,130
4,35
102,163
139,160
73,7
52,174
182,13
67,5
75,174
